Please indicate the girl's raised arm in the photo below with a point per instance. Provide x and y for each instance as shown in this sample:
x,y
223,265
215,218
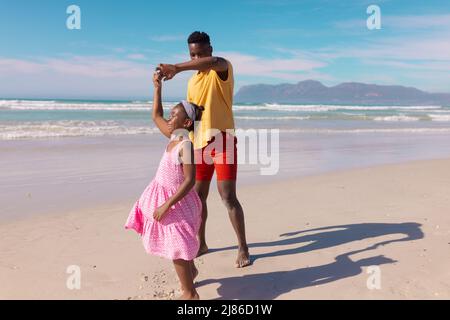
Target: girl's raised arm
x,y
158,111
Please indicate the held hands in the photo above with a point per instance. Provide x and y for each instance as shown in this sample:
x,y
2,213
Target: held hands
x,y
168,71
157,80
161,212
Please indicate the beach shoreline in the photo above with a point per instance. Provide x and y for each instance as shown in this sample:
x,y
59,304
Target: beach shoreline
x,y
353,212
60,175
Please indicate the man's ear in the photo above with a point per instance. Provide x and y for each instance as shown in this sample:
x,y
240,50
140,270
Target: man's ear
x,y
211,49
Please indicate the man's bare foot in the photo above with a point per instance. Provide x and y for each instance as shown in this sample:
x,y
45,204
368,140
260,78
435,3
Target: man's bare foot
x,y
243,258
203,249
189,296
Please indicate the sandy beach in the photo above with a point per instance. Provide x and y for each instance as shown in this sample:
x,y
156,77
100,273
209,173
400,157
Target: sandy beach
x,y
340,113
316,237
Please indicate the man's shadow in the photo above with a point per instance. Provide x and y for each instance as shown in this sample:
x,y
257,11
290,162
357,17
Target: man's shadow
x,y
334,236
273,284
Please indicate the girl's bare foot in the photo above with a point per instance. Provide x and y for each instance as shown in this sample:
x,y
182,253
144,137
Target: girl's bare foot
x,y
185,270
192,295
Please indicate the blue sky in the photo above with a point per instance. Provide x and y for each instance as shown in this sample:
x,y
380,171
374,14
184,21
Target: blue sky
x,y
283,41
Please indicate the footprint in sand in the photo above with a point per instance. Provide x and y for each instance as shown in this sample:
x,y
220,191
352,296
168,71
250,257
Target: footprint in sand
x,y
144,277
159,287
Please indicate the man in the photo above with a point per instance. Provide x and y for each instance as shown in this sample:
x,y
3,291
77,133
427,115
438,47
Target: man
x,y
212,87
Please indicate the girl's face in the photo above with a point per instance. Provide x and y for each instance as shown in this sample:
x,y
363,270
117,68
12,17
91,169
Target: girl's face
x,y
178,119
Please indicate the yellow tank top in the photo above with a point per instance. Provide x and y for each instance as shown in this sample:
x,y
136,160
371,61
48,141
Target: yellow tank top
x,y
207,89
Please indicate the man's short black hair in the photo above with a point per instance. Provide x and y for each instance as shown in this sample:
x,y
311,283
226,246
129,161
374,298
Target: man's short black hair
x,y
199,37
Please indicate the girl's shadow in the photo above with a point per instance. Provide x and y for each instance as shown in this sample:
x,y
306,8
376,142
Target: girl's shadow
x,y
273,284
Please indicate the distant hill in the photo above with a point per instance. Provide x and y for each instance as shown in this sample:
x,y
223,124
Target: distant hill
x,y
311,91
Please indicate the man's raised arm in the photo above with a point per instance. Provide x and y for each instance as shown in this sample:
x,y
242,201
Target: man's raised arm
x,y
201,64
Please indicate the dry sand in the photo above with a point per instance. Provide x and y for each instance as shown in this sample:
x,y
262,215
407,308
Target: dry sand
x,y
320,237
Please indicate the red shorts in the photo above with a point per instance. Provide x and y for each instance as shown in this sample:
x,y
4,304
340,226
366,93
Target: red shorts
x,y
220,156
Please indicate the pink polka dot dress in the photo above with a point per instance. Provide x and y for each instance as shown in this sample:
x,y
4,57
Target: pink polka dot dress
x,y
175,236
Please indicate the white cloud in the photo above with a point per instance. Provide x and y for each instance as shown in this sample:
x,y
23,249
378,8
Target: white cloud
x,y
250,65
97,67
411,22
400,48
419,21
436,66
421,60
137,56
402,60
167,38
82,76
109,76
19,66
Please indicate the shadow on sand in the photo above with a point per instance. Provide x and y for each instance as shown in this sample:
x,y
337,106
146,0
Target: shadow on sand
x,y
273,284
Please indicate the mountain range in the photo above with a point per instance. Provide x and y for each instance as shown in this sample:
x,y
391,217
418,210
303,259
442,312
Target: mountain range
x,y
311,91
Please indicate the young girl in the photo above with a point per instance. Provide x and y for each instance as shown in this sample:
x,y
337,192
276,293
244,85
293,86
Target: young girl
x,y
168,213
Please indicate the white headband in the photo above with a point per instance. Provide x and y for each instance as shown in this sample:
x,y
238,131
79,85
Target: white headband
x,y
190,109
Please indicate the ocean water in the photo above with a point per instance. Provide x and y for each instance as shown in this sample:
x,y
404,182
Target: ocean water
x,y
58,156
38,119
